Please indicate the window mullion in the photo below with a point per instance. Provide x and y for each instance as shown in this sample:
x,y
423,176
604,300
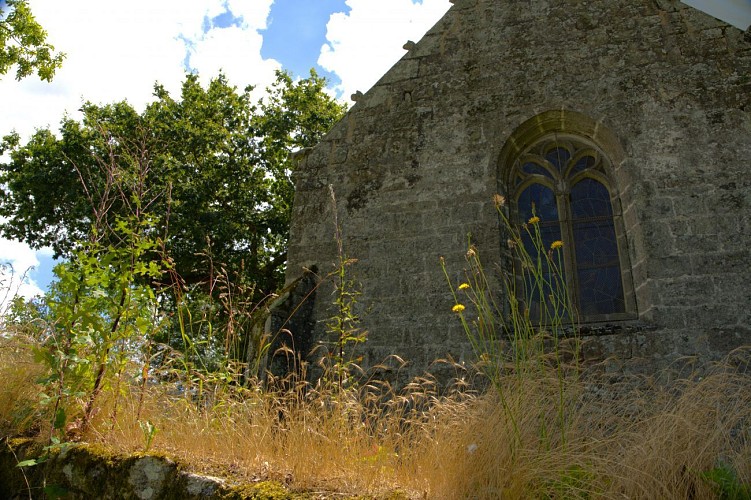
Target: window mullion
x,y
569,247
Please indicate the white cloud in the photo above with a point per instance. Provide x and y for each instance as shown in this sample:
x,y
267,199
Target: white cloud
x,y
366,42
221,49
237,50
255,13
118,50
16,260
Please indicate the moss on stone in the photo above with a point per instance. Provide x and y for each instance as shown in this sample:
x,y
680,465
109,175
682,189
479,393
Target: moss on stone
x,y
13,451
266,490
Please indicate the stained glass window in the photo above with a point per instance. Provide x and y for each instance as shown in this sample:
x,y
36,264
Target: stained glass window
x,y
563,181
598,269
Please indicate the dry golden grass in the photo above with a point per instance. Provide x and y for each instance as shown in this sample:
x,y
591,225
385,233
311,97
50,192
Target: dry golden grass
x,y
18,390
630,439
620,447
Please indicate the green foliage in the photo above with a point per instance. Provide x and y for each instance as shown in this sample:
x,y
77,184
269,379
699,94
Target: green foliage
x,y
149,432
726,483
23,43
212,173
95,316
213,170
54,447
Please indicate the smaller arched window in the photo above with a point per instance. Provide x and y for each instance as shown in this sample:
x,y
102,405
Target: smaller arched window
x,y
564,180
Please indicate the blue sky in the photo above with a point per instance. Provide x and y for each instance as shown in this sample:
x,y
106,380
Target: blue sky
x,y
117,50
297,31
735,12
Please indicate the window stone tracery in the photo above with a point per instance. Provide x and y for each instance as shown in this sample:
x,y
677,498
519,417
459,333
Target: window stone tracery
x,y
565,179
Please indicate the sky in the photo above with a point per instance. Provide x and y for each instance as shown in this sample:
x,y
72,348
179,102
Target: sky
x,y
118,50
734,12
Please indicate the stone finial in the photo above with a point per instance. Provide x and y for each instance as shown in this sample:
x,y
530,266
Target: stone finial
x,y
356,96
409,45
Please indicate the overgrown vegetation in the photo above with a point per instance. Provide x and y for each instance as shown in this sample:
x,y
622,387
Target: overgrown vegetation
x,y
340,365
211,168
529,335
545,428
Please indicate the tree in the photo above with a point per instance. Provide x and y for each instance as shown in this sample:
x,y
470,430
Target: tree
x,y
217,166
210,172
23,43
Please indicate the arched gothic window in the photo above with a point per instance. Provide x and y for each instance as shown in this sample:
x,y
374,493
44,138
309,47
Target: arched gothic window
x,y
565,180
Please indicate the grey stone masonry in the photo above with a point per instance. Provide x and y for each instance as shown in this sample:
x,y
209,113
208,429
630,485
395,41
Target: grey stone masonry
x,y
662,89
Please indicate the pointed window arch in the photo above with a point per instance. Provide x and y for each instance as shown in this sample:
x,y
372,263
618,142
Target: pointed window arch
x,y
565,179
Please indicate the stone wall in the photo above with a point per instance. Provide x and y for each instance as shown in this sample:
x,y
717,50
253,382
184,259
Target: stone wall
x,y
416,161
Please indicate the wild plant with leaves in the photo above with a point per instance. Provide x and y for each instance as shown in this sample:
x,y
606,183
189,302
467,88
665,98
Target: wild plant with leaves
x,y
97,316
344,325
100,310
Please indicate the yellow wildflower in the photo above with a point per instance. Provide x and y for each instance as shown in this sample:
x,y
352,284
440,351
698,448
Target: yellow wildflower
x,y
556,244
458,308
533,220
463,286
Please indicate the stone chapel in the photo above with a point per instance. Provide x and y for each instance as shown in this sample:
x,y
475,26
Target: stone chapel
x,y
626,122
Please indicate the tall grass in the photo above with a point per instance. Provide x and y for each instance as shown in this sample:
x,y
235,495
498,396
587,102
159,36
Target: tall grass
x,y
634,439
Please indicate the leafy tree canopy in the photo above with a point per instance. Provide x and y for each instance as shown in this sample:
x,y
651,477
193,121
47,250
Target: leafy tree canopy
x,y
211,169
23,43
